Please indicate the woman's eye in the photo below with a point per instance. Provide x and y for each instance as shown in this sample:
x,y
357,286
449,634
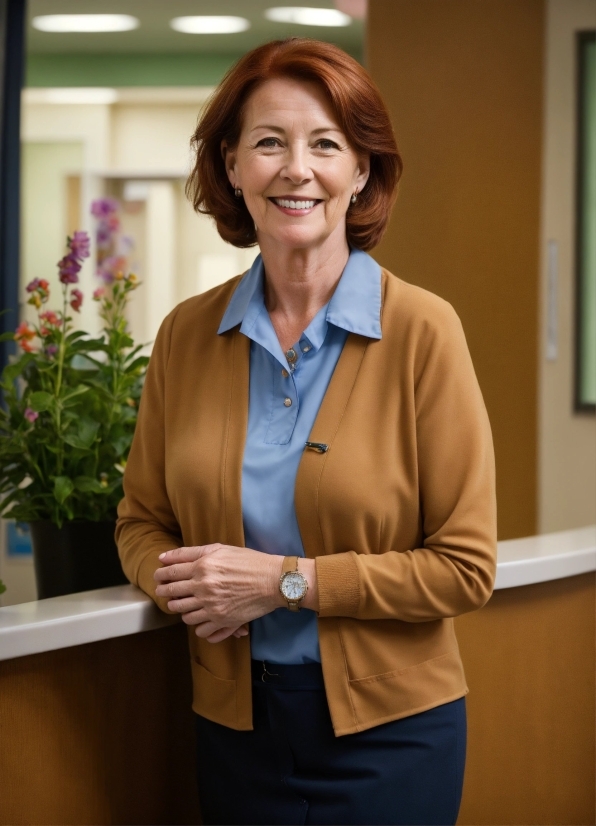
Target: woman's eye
x,y
326,144
268,143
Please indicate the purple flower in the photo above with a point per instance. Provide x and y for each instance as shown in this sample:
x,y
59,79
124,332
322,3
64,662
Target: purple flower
x,y
32,285
51,350
103,207
69,269
79,245
103,236
30,415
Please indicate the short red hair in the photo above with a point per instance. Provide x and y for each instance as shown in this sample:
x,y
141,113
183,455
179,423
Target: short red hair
x,y
359,109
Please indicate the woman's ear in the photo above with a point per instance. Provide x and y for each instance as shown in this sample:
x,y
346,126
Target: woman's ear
x,y
229,158
363,171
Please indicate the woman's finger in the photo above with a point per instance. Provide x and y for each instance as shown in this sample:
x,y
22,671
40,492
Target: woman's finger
x,y
196,617
220,635
185,588
206,629
190,554
183,605
176,571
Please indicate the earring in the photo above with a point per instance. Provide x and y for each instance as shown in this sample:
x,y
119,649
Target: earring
x,y
354,198
238,192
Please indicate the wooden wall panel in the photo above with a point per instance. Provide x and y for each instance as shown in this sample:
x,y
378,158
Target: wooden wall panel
x,y
463,80
530,662
99,734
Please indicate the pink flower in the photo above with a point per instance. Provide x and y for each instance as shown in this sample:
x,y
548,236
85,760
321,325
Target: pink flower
x,y
99,293
30,415
79,244
50,317
76,300
40,290
69,269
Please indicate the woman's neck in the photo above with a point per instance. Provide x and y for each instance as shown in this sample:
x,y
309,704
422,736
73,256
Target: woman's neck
x,y
298,282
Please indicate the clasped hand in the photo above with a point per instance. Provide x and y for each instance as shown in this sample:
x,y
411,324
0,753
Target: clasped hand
x,y
219,588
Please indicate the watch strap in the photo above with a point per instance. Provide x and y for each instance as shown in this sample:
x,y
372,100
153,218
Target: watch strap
x,y
290,563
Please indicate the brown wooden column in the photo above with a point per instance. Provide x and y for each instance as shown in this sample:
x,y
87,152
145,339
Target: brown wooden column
x,y
463,80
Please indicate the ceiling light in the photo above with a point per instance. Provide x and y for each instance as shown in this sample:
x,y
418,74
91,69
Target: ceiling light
x,y
209,24
308,17
85,23
83,94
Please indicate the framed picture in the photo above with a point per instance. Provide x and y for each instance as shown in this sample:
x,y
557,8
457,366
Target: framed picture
x,y
585,258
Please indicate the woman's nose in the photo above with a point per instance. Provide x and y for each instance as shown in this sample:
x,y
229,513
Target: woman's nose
x,y
297,168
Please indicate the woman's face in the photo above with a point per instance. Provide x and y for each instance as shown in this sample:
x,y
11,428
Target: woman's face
x,y
294,165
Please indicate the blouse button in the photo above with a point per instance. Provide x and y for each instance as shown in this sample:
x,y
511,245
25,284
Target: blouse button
x,y
306,348
288,402
291,355
285,373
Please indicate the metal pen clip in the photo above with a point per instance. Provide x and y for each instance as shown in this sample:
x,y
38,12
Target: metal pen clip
x,y
320,447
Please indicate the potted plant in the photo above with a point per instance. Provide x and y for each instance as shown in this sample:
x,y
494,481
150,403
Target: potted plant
x,y
70,408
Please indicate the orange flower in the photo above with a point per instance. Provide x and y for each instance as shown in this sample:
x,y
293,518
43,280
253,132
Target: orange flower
x,y
23,331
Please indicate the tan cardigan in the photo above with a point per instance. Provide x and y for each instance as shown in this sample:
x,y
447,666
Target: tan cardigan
x,y
399,513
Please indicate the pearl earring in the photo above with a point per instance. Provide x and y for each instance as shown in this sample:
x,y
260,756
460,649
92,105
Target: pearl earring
x,y
238,192
354,198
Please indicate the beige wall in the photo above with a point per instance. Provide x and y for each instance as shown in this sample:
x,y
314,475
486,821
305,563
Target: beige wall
x,y
567,440
463,81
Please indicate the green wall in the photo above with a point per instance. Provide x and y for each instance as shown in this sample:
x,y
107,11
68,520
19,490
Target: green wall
x,y
127,70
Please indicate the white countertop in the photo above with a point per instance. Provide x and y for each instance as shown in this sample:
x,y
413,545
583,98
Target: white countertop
x,y
61,622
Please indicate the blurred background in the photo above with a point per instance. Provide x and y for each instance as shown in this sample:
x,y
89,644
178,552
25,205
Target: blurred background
x,y
494,107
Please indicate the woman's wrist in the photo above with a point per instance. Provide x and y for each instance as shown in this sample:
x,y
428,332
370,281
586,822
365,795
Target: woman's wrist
x,y
308,570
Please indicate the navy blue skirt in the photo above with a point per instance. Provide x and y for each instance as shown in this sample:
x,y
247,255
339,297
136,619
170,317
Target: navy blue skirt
x,y
293,769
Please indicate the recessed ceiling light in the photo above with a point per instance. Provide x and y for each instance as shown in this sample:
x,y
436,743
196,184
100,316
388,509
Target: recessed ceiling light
x,y
308,17
85,23
84,94
210,24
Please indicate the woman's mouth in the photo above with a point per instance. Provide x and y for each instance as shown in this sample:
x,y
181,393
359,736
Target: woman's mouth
x,y
295,205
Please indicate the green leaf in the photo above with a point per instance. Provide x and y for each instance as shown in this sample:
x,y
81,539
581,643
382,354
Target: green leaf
x,y
78,391
86,484
85,434
12,371
121,444
140,362
63,487
40,401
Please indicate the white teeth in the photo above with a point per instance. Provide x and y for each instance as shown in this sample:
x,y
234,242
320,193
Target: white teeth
x,y
287,204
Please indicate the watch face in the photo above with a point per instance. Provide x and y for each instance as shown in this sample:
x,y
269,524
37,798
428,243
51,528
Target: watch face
x,y
293,585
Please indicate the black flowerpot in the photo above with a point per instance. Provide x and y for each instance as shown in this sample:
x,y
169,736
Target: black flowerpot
x,y
79,556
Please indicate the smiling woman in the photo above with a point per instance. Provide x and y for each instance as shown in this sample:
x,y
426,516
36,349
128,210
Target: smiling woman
x,y
349,103
311,483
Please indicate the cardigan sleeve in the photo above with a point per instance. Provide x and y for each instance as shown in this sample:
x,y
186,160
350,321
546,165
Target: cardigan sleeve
x,y
146,523
454,569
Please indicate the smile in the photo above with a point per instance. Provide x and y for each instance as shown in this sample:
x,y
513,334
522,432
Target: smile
x,y
286,203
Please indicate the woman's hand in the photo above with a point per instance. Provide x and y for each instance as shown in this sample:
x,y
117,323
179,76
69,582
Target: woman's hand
x,y
219,588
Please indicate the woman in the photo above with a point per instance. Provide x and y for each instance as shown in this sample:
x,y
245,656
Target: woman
x,y
311,483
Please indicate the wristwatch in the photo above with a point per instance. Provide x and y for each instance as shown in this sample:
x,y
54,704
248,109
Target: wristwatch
x,y
292,583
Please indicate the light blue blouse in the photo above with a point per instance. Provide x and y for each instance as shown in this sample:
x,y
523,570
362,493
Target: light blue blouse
x,y
286,391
